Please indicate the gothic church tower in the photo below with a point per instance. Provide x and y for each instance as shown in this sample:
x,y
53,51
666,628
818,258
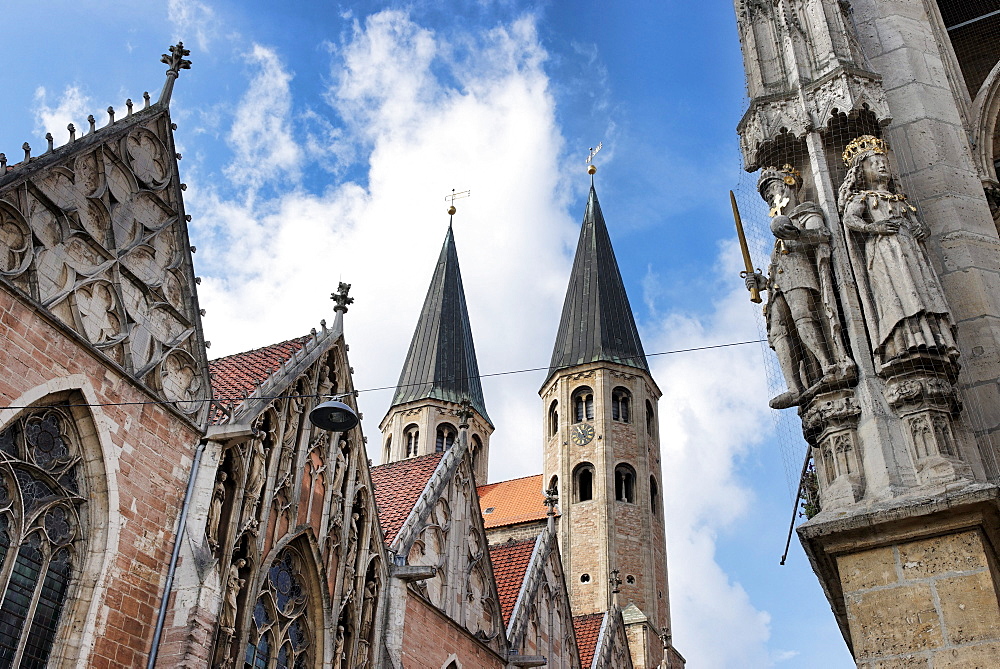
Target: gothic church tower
x,y
601,448
440,373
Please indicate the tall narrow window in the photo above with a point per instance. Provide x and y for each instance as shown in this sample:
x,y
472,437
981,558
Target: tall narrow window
x,y
41,537
654,496
650,419
621,401
625,484
583,482
583,404
446,435
280,628
553,418
388,449
411,435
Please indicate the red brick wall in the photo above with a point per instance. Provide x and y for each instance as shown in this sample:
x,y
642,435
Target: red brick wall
x,y
153,448
430,639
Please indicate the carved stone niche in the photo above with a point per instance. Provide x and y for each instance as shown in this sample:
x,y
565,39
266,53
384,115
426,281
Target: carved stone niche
x,y
929,406
830,423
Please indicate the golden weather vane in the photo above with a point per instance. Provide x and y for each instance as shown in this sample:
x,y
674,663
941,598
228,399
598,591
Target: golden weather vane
x,y
451,197
591,169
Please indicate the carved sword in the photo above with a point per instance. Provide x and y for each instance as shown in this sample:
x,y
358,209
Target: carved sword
x,y
754,292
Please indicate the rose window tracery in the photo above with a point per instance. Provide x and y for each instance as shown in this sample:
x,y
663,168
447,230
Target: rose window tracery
x,y
41,534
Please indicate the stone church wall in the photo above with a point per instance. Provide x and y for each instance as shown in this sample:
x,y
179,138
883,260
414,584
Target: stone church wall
x,y
433,640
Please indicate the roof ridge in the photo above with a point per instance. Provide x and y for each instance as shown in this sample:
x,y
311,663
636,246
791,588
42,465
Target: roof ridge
x,y
519,478
261,348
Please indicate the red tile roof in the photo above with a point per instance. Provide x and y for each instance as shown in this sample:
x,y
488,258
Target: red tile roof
x,y
397,488
240,374
587,628
514,501
510,564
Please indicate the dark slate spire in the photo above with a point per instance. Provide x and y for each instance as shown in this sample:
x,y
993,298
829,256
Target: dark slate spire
x,y
441,363
597,322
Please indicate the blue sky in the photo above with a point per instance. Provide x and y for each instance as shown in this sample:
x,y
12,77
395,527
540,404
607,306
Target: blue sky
x,y
319,140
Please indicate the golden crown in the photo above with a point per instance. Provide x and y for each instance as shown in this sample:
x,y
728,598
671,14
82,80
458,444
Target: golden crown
x,y
864,144
786,173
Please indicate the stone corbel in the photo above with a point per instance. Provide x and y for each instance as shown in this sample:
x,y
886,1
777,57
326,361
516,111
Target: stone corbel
x,y
829,424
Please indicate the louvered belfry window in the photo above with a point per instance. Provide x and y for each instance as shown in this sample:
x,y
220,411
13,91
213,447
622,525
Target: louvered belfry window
x,y
41,536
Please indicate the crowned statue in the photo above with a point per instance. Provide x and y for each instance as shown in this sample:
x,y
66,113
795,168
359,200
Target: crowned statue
x,y
901,295
803,320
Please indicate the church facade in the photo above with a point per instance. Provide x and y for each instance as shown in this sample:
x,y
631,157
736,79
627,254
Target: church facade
x,y
158,508
872,126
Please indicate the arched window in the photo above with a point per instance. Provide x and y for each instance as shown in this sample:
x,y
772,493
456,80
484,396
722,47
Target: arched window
x,y
583,404
650,419
654,496
280,628
388,449
625,483
446,434
553,418
583,482
554,485
477,444
411,435
621,401
41,537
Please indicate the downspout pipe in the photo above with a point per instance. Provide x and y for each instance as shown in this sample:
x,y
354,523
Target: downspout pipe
x,y
181,524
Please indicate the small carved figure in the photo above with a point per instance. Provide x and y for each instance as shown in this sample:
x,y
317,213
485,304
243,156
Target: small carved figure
x,y
227,617
215,510
901,294
338,650
340,470
255,472
803,324
368,609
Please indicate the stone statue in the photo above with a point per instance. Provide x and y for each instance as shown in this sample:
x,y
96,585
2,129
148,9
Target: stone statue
x,y
901,295
338,650
803,323
227,617
255,472
368,609
340,470
215,510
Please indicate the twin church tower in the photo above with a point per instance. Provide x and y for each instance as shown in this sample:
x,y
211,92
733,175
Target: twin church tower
x,y
601,451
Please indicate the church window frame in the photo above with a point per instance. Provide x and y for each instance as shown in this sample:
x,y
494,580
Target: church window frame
x,y
554,418
583,404
625,483
445,437
411,437
621,405
583,482
44,531
650,419
388,449
654,496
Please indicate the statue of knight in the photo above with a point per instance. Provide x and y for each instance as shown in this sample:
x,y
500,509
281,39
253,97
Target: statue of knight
x,y
803,320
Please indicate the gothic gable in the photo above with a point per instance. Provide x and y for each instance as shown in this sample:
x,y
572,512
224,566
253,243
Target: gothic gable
x,y
445,531
94,232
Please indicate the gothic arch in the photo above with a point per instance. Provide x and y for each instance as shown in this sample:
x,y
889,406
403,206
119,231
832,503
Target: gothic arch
x,y
98,515
985,114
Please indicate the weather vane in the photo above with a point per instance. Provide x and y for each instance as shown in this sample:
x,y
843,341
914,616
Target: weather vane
x,y
592,169
451,197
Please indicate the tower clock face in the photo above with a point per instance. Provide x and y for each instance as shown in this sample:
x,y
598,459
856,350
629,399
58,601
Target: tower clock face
x,y
582,434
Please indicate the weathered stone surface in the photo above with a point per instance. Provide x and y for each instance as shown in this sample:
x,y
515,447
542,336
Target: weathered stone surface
x,y
896,663
941,555
868,569
894,621
983,656
969,608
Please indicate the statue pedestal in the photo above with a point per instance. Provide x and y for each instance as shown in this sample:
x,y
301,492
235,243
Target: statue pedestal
x,y
914,581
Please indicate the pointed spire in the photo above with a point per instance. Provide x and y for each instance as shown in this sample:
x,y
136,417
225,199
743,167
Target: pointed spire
x,y
597,322
442,363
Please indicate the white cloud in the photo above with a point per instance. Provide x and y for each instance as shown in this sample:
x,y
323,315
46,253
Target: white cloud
x,y
72,107
711,414
192,19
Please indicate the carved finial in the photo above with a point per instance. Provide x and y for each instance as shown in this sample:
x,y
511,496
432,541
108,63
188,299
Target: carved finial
x,y
93,123
27,151
340,297
322,323
145,99
465,413
128,106
72,132
551,499
3,164
175,62
50,140
111,114
616,586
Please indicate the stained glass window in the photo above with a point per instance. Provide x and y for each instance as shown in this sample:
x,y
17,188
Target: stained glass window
x,y
280,618
41,535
